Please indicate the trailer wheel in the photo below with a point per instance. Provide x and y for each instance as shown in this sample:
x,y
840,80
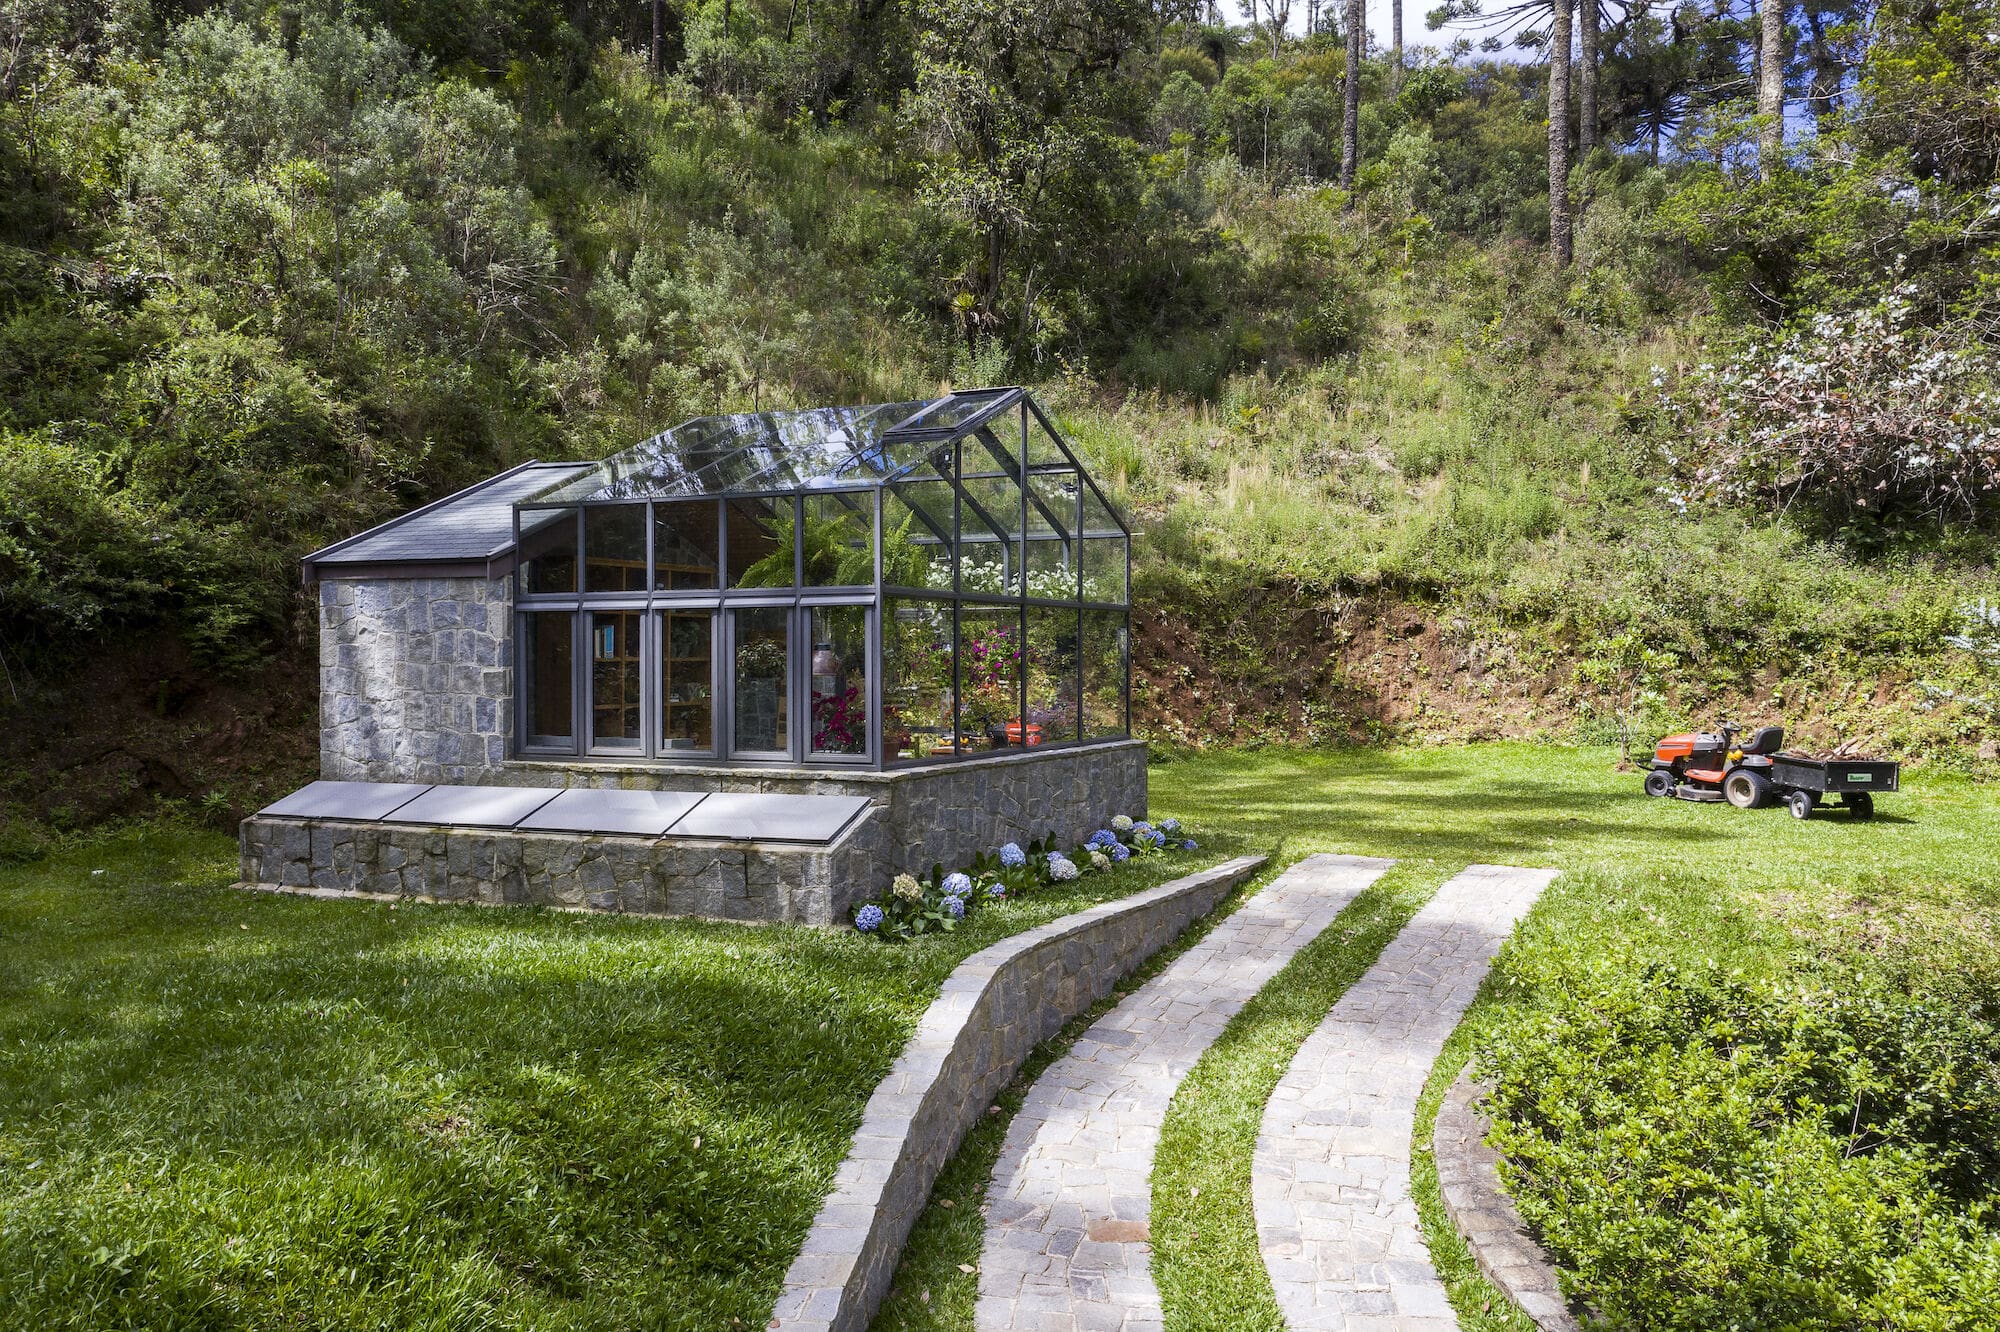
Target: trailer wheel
x,y
1801,804
1745,789
1860,804
1659,782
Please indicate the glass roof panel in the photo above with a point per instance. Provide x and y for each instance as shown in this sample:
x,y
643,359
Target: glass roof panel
x,y
947,414
750,452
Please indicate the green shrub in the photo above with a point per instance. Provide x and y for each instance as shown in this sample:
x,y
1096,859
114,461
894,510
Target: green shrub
x,y
1702,1150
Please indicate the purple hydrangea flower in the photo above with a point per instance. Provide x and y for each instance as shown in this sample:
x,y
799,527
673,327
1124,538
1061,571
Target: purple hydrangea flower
x,y
1120,852
1170,826
996,891
1012,856
957,885
1190,845
955,907
868,919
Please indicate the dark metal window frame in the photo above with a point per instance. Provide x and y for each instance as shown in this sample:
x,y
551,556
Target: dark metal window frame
x,y
1010,409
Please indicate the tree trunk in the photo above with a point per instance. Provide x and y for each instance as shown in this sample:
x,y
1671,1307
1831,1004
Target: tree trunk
x,y
1770,88
659,38
1559,220
1586,79
1350,120
1396,42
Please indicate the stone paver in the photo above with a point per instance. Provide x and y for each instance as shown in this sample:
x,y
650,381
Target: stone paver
x,y
1331,1176
1067,1211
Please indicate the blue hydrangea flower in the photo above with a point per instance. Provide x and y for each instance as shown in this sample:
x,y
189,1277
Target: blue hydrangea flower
x,y
996,891
1156,837
955,907
957,885
1190,845
1062,869
1120,852
1170,826
1012,856
1102,838
868,919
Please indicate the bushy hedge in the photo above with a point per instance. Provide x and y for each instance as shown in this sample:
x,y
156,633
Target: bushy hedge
x,y
1701,1151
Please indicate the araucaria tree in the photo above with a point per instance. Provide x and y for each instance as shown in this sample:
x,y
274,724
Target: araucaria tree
x,y
1560,244
1770,86
1356,20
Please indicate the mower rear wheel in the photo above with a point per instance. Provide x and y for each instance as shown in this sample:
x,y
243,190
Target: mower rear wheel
x,y
1659,782
1801,804
1861,805
1745,789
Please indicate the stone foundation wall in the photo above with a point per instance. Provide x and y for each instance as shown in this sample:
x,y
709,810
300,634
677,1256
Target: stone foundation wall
x,y
416,679
937,814
763,881
993,1011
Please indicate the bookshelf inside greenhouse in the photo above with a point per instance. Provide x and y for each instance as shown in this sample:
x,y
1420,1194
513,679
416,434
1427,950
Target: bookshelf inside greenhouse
x,y
880,586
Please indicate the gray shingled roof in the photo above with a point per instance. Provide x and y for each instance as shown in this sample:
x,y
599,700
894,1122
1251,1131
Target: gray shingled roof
x,y
475,524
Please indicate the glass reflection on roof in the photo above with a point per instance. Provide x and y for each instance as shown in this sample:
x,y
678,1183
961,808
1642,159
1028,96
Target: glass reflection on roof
x,y
820,448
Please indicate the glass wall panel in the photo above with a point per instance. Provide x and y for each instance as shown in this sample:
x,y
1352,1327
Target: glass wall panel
x,y
1052,684
686,545
548,662
614,548
916,535
1053,499
548,550
760,542
989,677
918,665
1041,448
614,679
839,679
1106,657
760,680
1104,568
989,526
839,549
687,682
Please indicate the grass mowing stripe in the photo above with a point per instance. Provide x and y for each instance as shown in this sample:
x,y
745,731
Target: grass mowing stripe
x,y
937,1281
1205,1256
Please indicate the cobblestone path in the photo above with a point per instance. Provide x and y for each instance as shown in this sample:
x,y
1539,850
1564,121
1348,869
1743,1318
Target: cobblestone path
x,y
1066,1240
1331,1177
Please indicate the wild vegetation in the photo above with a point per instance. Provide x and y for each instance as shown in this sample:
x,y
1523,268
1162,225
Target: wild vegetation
x,y
273,269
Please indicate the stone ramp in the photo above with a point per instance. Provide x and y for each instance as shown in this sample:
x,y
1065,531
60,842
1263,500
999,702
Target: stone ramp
x,y
1066,1237
1331,1176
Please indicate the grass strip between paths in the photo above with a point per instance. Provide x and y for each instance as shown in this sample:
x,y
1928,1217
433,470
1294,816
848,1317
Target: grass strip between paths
x,y
1206,1260
937,1281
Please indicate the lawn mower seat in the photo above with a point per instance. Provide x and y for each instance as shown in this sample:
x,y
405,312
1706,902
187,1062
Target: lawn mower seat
x,y
1765,740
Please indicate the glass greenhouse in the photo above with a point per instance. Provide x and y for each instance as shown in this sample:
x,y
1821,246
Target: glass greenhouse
x,y
876,586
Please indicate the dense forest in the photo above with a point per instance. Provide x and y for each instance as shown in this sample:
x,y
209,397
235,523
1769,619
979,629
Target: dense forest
x,y
1569,370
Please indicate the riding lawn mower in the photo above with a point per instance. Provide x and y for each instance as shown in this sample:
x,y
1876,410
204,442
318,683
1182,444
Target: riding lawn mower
x,y
1711,765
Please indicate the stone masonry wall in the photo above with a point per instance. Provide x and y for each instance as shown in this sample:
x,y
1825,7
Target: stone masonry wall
x,y
416,679
766,881
938,814
992,1012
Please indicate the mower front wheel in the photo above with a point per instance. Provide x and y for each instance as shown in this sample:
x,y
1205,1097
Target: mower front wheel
x,y
1801,804
1745,789
1659,782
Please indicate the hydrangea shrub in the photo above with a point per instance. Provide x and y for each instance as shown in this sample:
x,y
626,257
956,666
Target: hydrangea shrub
x,y
938,902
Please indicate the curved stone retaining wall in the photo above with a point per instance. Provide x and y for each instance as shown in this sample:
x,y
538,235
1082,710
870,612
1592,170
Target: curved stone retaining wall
x,y
996,1007
1469,1179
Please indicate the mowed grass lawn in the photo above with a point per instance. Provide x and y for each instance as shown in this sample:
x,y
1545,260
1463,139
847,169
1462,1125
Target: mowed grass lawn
x,y
1704,885
231,1110
222,1109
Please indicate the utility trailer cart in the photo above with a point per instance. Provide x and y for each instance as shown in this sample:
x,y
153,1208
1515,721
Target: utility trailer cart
x,y
1803,782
